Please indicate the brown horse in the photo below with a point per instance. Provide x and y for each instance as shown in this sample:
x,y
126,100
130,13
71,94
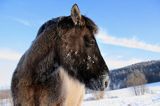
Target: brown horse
x,y
63,59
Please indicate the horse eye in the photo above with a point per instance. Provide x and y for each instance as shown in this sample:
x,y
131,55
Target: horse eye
x,y
92,42
89,41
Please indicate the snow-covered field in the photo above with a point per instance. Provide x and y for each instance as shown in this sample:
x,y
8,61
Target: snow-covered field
x,y
145,100
126,97
121,97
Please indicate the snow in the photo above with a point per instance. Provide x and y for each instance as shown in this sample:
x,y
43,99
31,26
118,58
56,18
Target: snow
x,y
145,100
121,97
126,97
5,102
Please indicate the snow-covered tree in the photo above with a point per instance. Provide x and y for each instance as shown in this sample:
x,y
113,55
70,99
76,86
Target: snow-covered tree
x,y
137,79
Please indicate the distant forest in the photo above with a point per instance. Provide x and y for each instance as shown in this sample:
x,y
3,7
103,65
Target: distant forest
x,y
150,69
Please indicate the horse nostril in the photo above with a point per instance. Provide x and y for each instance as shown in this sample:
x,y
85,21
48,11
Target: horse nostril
x,y
106,83
105,80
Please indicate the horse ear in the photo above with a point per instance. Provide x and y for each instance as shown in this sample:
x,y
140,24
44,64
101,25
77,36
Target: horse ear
x,y
76,15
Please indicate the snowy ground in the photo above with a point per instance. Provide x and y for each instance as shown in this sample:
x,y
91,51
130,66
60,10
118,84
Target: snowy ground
x,y
145,100
121,97
126,97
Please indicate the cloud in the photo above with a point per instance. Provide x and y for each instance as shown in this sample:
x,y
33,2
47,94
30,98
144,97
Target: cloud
x,y
23,22
7,54
6,70
8,61
118,63
127,42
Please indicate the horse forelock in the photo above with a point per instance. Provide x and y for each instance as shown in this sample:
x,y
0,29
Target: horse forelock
x,y
67,23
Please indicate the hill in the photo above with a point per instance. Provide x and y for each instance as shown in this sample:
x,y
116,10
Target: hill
x,y
150,69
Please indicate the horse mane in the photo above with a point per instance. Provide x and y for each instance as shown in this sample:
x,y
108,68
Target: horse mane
x,y
65,22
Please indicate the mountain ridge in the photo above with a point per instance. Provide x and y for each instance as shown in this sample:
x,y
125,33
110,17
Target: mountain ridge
x,y
151,70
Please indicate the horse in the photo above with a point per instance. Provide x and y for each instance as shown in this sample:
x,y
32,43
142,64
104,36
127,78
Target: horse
x,y
61,62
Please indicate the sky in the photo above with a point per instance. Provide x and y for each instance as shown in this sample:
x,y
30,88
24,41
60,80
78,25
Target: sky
x,y
129,30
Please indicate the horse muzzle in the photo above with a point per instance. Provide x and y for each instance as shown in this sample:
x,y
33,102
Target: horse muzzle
x,y
104,80
99,84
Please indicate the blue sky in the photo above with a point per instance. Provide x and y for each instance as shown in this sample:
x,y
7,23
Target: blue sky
x,y
129,30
